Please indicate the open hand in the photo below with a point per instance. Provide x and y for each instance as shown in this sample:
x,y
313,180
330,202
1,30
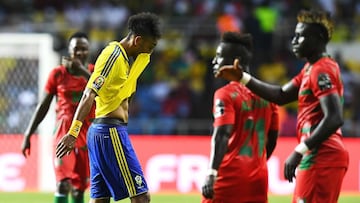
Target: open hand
x,y
230,72
65,146
290,165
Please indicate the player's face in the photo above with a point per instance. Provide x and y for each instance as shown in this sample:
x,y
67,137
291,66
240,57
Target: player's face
x,y
304,42
79,48
222,57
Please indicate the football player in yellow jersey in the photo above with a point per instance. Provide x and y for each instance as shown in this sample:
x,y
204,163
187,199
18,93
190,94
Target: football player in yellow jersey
x,y
114,168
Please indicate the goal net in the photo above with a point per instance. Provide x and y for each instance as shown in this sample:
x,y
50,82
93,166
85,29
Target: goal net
x,y
25,61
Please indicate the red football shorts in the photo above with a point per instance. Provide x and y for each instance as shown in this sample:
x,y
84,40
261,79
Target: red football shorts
x,y
235,187
319,185
74,166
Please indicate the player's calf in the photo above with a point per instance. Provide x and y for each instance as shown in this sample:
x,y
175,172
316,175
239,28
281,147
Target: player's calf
x,y
62,190
77,196
64,187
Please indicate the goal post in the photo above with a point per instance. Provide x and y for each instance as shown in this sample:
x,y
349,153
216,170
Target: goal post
x,y
35,57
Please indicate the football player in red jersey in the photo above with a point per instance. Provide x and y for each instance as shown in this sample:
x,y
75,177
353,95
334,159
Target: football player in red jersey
x,y
244,136
320,156
66,83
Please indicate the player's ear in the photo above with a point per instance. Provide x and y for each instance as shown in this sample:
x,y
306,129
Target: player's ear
x,y
137,40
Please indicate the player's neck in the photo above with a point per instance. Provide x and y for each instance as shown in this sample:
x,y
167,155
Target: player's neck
x,y
315,57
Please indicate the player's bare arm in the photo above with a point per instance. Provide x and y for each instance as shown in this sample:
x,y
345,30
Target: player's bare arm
x,y
220,140
85,104
333,119
66,144
219,147
273,93
271,143
272,135
40,113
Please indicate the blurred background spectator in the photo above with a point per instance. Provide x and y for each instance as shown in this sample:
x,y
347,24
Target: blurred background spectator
x,y
175,93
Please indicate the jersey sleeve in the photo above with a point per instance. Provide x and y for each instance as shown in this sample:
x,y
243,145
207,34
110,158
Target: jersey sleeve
x,y
223,110
51,83
109,58
324,79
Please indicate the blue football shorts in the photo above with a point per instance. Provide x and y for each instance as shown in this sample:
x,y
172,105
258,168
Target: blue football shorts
x,y
115,170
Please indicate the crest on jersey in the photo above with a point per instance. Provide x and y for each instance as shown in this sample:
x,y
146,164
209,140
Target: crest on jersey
x,y
324,82
138,181
98,82
219,108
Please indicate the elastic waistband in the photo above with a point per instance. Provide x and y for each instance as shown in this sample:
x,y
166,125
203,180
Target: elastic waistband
x,y
109,121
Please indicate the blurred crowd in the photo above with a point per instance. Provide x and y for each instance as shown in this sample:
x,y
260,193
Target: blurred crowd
x,y
175,92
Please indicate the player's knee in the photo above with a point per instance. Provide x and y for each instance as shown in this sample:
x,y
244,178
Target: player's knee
x,y
64,187
77,194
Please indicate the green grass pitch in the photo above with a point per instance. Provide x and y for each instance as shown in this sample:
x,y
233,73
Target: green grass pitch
x,y
35,197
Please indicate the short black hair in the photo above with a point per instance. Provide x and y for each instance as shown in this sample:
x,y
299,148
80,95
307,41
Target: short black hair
x,y
145,24
242,44
78,35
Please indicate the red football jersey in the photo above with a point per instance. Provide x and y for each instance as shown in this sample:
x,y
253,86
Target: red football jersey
x,y
315,81
243,171
68,90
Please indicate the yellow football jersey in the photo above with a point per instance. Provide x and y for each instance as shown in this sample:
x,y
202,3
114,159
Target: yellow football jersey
x,y
113,80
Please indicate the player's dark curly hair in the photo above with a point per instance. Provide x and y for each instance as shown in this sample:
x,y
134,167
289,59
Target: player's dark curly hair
x,y
79,35
244,51
321,18
145,24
